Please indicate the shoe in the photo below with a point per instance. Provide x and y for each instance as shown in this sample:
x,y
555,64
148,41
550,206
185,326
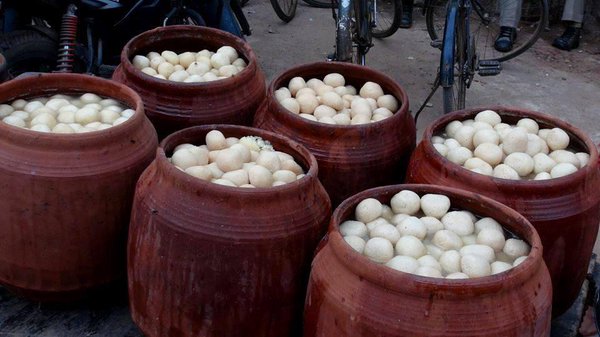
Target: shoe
x,y
406,18
569,39
506,39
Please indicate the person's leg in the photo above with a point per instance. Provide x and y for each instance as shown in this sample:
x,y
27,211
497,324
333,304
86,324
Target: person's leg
x,y
573,14
406,19
510,14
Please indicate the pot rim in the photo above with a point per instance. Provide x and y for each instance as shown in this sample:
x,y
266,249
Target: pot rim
x,y
242,47
58,83
553,183
308,159
340,67
426,286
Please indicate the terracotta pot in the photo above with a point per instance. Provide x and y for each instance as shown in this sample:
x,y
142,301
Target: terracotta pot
x,y
564,211
212,260
66,198
172,106
351,158
349,295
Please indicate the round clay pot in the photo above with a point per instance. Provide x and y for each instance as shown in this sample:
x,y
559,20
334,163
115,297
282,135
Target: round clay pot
x,y
172,106
565,211
349,295
66,198
351,158
212,260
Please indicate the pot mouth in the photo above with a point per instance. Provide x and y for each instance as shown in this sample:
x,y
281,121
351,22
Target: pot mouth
x,y
402,282
579,138
357,76
174,35
45,85
195,135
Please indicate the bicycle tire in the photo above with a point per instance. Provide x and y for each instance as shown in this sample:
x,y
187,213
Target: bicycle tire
x,y
285,9
386,26
28,51
454,93
343,34
485,34
321,3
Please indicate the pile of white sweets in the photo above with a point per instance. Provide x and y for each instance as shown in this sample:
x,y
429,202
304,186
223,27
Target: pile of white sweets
x,y
419,235
65,114
246,162
331,101
188,67
524,151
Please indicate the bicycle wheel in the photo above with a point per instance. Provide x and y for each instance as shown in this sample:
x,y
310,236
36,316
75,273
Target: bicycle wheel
x,y
484,22
285,9
321,3
343,33
387,17
454,63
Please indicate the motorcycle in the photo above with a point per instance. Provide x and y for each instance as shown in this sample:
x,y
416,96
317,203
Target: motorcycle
x,y
87,36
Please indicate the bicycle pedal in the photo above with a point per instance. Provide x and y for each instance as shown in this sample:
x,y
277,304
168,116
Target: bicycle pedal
x,y
488,67
436,43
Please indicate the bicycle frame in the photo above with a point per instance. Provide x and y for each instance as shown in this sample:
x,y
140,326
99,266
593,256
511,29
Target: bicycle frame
x,y
345,39
447,59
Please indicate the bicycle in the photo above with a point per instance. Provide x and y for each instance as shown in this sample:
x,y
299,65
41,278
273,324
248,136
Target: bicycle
x,y
285,9
466,41
358,21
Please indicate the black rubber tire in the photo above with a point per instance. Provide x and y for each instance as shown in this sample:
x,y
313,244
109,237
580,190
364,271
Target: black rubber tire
x,y
28,51
321,3
285,9
455,95
387,27
435,15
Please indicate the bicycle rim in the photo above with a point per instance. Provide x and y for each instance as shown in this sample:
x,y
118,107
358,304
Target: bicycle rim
x,y
320,3
285,9
387,17
533,18
455,94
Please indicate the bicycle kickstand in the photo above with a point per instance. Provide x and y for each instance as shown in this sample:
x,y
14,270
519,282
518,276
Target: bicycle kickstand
x,y
434,87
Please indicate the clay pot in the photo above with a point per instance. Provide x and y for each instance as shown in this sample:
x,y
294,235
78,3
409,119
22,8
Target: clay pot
x,y
212,260
351,158
349,295
564,211
66,198
172,106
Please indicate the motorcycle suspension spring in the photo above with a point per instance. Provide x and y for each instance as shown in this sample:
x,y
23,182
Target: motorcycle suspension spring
x,y
67,41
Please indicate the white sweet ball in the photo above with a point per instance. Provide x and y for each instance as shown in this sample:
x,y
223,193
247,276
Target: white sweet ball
x,y
238,177
458,222
542,163
285,176
184,158
433,250
410,246
504,171
14,121
334,80
165,69
520,162
535,145
32,106
290,104
215,140
489,152
516,248
324,111
451,143
198,68
464,136
386,231
296,84
487,223
389,102
486,136
469,239
482,166
475,266
488,116
140,62
40,128
398,218
406,202
428,272
583,157
437,140
218,60
368,210
179,76
435,205
543,133
412,226
529,124
429,261
452,127
200,172
314,83
557,139
228,71
376,223
341,119
515,141
562,169
519,260
457,276
386,212
259,176
170,56
371,90
447,240
282,93
63,128
542,176
229,160
499,267
441,149
450,261
433,225
564,156
357,243
269,160
379,250
308,116
492,238
360,119
229,51
332,100
307,103
459,155
405,264
5,110
353,227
